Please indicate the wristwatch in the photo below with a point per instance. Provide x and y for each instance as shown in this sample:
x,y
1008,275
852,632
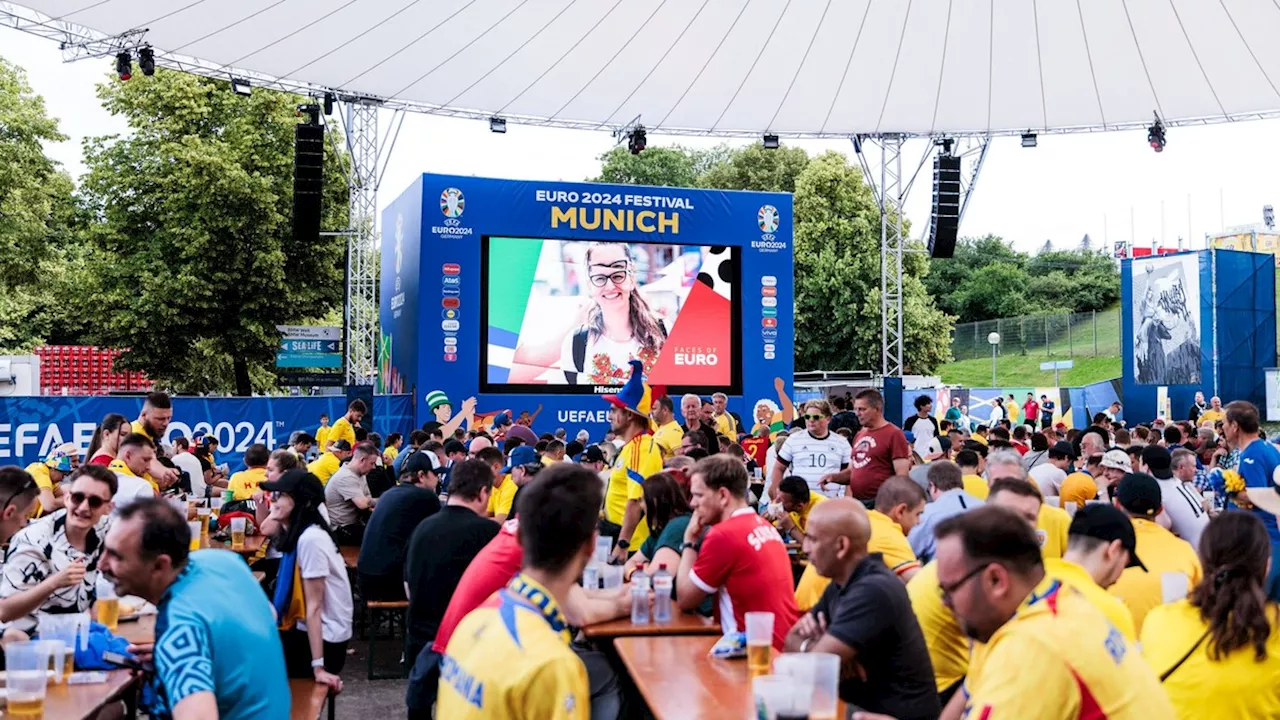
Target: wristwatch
x,y
694,546
624,544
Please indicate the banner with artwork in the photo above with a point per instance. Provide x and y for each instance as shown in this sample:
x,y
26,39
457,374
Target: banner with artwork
x,y
1166,320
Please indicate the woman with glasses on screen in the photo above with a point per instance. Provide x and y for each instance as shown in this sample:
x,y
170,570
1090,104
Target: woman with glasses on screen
x,y
620,325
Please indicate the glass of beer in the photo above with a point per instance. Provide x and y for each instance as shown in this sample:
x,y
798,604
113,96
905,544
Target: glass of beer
x,y
202,516
237,533
194,527
108,605
759,643
26,677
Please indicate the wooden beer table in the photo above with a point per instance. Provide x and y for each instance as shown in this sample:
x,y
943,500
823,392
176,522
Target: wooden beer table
x,y
83,702
679,682
681,624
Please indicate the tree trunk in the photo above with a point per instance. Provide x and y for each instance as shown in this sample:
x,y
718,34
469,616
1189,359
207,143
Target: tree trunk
x,y
243,386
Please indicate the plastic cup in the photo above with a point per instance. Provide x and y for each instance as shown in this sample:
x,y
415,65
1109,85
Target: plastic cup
x,y
612,575
194,527
815,678
1173,586
27,677
759,643
604,546
56,628
237,533
772,694
56,659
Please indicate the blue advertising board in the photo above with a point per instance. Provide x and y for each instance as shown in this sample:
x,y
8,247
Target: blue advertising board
x,y
30,427
536,295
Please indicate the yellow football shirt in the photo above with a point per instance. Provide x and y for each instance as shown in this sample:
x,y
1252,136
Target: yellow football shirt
x,y
1109,605
502,497
1051,530
948,647
1058,658
801,518
245,483
141,429
44,481
1210,417
726,426
637,460
668,438
118,466
390,454
1162,552
342,430
324,467
976,486
1234,686
322,437
509,659
886,539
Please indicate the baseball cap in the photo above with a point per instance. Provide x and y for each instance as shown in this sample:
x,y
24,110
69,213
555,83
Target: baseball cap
x,y
421,461
1139,493
342,445
593,453
1105,522
573,449
520,456
298,483
501,419
911,437
1158,461
1117,459
1064,449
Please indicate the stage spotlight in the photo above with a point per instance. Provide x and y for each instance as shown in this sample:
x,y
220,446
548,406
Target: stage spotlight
x,y
1028,139
124,65
497,124
240,86
637,141
329,99
1155,135
771,142
147,61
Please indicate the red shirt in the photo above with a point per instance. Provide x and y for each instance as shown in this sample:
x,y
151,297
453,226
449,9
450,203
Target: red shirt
x,y
490,571
103,460
757,448
744,562
1030,412
873,454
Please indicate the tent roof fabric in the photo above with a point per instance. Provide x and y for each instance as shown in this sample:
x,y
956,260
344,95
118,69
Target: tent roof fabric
x,y
797,68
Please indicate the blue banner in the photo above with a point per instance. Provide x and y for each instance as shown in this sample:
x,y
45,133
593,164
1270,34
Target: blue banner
x,y
30,427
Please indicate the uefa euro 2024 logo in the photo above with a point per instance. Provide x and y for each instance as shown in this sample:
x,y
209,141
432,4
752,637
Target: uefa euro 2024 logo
x,y
452,203
767,218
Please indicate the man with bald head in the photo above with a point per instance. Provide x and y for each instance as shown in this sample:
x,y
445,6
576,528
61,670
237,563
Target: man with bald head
x,y
865,617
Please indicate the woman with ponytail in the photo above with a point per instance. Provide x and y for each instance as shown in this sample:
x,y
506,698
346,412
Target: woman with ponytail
x,y
106,439
1218,651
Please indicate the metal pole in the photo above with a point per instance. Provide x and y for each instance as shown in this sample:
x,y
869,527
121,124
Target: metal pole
x,y
1047,352
1071,351
1095,333
362,266
993,365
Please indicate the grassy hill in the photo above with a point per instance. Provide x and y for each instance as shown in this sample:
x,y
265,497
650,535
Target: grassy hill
x,y
1016,369
1023,371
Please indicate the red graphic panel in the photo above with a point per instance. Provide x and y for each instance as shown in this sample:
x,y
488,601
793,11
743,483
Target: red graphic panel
x,y
699,350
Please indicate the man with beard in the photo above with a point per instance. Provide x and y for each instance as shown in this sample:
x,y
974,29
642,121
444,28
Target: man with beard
x,y
153,421
667,432
639,457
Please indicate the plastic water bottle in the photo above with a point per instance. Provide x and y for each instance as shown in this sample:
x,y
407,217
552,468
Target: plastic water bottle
x,y
639,598
591,576
662,582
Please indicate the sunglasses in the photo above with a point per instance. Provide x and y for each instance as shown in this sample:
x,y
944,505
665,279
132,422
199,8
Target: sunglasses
x,y
814,418
95,502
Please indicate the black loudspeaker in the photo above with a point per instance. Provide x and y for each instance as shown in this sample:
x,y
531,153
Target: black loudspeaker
x,y
944,222
308,180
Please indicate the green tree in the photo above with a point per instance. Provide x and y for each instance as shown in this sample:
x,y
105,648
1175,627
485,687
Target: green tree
x,y
947,275
37,216
755,168
661,166
194,255
996,291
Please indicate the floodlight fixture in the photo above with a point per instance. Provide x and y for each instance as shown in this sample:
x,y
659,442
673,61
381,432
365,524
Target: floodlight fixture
x,y
1028,139
1155,135
771,142
147,60
124,65
637,141
329,99
241,86
497,125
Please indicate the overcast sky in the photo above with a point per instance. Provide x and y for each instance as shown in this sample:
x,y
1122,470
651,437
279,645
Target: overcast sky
x,y
1100,184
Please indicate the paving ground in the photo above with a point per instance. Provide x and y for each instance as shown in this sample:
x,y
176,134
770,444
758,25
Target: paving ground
x,y
364,699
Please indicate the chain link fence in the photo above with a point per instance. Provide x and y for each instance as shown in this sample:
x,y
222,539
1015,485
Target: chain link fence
x,y
1091,334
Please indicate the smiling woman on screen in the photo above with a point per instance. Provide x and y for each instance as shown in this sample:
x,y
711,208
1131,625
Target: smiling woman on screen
x,y
620,326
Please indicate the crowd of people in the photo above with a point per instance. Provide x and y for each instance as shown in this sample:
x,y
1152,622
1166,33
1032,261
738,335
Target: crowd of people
x,y
958,569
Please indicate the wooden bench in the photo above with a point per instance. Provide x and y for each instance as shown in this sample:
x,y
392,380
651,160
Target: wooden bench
x,y
309,699
374,610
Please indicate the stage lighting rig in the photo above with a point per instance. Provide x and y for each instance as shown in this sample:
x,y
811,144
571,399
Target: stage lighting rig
x,y
124,65
241,86
1028,139
636,141
329,99
771,142
497,125
312,111
1155,135
147,60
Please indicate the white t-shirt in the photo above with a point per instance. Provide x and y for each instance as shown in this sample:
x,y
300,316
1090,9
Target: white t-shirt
x,y
318,557
129,489
811,458
997,414
190,464
618,354
1183,506
1049,477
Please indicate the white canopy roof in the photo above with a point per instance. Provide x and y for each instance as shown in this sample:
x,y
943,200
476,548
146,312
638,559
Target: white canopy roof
x,y
806,68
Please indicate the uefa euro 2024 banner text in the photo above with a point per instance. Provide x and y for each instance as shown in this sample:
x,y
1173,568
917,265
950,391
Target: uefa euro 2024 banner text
x,y
30,427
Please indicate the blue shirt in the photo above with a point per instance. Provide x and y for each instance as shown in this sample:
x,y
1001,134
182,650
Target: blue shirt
x,y
1258,461
215,609
948,504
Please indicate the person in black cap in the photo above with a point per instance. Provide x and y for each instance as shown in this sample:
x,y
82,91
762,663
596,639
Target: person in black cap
x,y
380,569
1182,504
1100,545
593,457
1138,494
315,644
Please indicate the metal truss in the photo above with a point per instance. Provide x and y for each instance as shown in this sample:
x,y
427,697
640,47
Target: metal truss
x,y
890,192
361,126
70,35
